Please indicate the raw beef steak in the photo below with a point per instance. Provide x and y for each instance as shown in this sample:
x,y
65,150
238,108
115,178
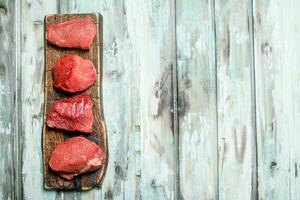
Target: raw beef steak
x,y
73,114
75,156
75,33
73,73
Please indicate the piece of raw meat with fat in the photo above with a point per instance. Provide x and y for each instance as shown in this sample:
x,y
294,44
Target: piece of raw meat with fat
x,y
73,73
74,33
72,114
75,156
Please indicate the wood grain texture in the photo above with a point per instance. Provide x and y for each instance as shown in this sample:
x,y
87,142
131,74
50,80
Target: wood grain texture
x,y
17,120
277,26
155,57
235,99
32,95
197,99
52,137
8,89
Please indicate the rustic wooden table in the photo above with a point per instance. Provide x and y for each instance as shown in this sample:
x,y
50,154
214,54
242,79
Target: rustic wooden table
x,y
201,98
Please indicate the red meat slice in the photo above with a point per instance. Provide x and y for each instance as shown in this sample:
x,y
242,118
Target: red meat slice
x,y
74,74
75,156
73,114
75,33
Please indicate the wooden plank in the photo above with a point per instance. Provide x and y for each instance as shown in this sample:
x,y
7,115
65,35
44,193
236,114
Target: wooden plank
x,y
154,53
197,99
277,26
32,95
18,147
7,101
236,105
52,137
174,104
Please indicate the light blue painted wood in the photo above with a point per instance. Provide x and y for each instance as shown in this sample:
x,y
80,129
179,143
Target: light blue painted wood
x,y
17,120
277,26
32,89
7,101
197,99
151,31
235,99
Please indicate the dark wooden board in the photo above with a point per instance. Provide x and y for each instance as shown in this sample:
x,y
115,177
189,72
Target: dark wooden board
x,y
52,137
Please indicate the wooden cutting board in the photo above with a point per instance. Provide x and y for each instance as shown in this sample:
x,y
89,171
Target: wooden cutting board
x,y
52,137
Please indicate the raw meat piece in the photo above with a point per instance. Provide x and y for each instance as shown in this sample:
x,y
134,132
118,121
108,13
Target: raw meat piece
x,y
73,114
75,156
75,33
73,73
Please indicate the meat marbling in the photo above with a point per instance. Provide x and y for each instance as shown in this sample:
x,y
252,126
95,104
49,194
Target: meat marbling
x,y
73,114
73,73
75,33
75,156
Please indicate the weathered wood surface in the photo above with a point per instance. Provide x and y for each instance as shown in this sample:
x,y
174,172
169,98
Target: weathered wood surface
x,y
32,95
140,96
235,100
52,137
197,99
153,42
277,26
8,90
